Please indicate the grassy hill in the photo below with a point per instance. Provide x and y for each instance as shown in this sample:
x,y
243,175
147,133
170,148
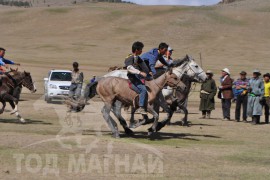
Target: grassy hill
x,y
99,35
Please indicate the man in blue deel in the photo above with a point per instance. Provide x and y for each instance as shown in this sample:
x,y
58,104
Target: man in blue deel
x,y
4,61
152,56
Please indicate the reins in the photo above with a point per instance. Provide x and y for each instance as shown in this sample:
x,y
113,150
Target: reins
x,y
12,79
160,88
15,81
165,79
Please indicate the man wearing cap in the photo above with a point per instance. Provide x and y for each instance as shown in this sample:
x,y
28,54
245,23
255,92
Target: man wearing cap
x,y
226,93
4,62
255,95
207,95
151,57
167,57
240,91
266,100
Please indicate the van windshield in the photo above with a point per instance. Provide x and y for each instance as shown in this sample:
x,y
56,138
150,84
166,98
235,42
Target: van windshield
x,y
61,76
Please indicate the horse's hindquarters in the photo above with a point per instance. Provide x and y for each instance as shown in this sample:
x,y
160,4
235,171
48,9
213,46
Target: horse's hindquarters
x,y
114,88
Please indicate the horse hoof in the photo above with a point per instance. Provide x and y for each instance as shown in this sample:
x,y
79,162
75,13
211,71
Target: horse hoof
x,y
22,121
150,131
116,135
183,123
13,112
129,131
132,125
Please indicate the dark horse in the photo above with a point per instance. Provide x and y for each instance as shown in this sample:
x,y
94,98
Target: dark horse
x,y
10,89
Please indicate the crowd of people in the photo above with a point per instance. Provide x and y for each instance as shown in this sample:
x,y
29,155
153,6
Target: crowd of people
x,y
252,95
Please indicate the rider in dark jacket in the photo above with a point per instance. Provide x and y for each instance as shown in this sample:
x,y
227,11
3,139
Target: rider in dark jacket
x,y
137,71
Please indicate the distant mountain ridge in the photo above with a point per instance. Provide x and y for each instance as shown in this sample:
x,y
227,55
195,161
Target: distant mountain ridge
x,y
29,3
228,1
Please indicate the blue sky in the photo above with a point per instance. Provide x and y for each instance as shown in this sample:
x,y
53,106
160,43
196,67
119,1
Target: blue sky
x,y
176,2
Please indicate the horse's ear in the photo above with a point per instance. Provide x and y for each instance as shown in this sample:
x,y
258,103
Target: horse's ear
x,y
16,69
11,69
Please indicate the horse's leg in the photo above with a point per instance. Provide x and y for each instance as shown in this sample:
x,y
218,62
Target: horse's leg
x,y
3,107
154,113
117,112
166,107
15,111
161,102
184,120
112,125
170,110
132,123
14,104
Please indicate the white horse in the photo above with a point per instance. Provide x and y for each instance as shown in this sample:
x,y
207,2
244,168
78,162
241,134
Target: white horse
x,y
187,67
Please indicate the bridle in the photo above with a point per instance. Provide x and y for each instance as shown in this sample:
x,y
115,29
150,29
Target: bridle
x,y
165,77
21,82
196,74
14,81
28,85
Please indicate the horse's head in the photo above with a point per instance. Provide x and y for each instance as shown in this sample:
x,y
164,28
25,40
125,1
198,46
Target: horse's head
x,y
28,82
191,69
173,80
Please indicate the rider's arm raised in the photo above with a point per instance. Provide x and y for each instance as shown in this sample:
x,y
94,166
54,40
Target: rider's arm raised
x,y
6,61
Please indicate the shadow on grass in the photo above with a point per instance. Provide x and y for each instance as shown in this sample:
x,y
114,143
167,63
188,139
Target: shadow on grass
x,y
166,135
180,123
154,136
200,124
27,121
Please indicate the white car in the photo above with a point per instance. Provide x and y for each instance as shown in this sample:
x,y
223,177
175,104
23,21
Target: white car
x,y
57,84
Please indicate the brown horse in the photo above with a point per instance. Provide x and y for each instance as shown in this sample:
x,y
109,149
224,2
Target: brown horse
x,y
10,89
114,89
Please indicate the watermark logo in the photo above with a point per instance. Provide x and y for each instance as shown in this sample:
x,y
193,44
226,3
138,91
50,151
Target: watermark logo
x,y
91,153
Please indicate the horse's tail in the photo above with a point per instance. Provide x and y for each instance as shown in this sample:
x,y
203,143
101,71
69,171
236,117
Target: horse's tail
x,y
90,90
89,93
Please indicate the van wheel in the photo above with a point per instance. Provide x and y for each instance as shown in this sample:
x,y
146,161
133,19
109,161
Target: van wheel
x,y
48,100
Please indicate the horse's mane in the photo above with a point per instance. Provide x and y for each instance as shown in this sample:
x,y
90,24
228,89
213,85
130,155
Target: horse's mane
x,y
179,62
159,72
14,73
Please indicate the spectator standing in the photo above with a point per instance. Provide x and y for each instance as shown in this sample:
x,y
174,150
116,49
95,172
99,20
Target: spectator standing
x,y
226,93
76,82
266,100
240,86
207,95
255,95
